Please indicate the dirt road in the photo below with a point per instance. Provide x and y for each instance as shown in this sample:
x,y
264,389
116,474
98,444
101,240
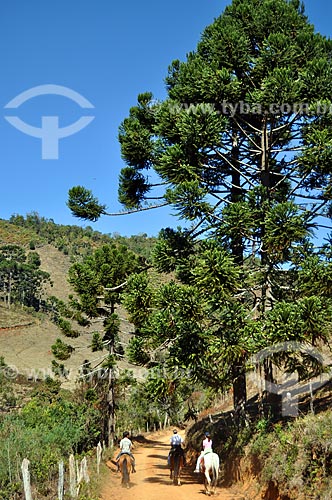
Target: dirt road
x,y
151,481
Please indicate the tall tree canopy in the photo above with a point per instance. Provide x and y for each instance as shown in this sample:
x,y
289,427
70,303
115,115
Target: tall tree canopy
x,y
242,146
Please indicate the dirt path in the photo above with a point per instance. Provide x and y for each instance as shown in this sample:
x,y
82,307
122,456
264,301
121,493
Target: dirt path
x,y
151,481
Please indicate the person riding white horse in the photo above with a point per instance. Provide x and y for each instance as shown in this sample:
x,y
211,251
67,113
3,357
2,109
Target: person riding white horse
x,y
207,448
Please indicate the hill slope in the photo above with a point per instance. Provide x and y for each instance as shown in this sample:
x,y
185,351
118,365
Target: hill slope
x,y
26,337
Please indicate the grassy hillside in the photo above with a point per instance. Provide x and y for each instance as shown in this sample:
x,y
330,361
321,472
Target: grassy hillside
x,y
18,235
26,337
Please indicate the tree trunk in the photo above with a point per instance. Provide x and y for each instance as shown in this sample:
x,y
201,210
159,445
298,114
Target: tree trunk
x,y
9,289
239,372
239,386
270,399
111,409
111,402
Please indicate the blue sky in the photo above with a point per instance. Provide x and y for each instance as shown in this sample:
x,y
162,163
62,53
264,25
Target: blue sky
x,y
108,52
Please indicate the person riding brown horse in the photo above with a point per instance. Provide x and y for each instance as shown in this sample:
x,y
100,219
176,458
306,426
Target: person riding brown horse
x,y
176,442
176,457
126,446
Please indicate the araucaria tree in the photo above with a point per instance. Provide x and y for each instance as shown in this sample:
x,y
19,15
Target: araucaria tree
x,y
98,282
243,147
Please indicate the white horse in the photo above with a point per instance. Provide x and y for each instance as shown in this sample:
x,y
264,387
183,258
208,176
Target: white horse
x,y
211,472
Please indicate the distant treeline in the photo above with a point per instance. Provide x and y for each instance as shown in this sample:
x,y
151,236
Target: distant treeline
x,y
75,240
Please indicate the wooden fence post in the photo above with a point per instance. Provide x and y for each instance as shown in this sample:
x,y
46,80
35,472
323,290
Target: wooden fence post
x,y
99,455
72,477
26,479
84,471
61,481
82,474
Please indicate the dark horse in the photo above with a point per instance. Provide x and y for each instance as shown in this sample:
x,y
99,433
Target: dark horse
x,y
176,462
124,465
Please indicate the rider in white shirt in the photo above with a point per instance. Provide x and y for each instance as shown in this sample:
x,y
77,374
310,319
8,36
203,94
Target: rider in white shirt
x,y
176,442
126,446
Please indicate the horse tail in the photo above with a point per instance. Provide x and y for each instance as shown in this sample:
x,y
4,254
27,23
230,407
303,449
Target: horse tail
x,y
125,471
176,465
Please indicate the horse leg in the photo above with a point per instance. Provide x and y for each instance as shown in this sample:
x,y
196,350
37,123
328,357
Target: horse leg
x,y
207,482
181,465
215,473
179,472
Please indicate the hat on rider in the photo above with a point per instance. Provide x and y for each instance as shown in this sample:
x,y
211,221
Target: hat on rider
x,y
175,431
207,434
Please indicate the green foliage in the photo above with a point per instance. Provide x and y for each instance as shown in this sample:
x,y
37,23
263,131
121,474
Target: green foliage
x,y
141,244
135,134
97,342
296,456
61,350
250,170
147,403
48,429
37,230
111,329
107,268
59,369
315,277
8,399
215,274
84,205
20,276
66,328
137,351
172,250
234,161
76,240
138,300
132,188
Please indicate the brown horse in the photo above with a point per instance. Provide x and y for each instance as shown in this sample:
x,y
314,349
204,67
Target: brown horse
x,y
124,466
176,463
